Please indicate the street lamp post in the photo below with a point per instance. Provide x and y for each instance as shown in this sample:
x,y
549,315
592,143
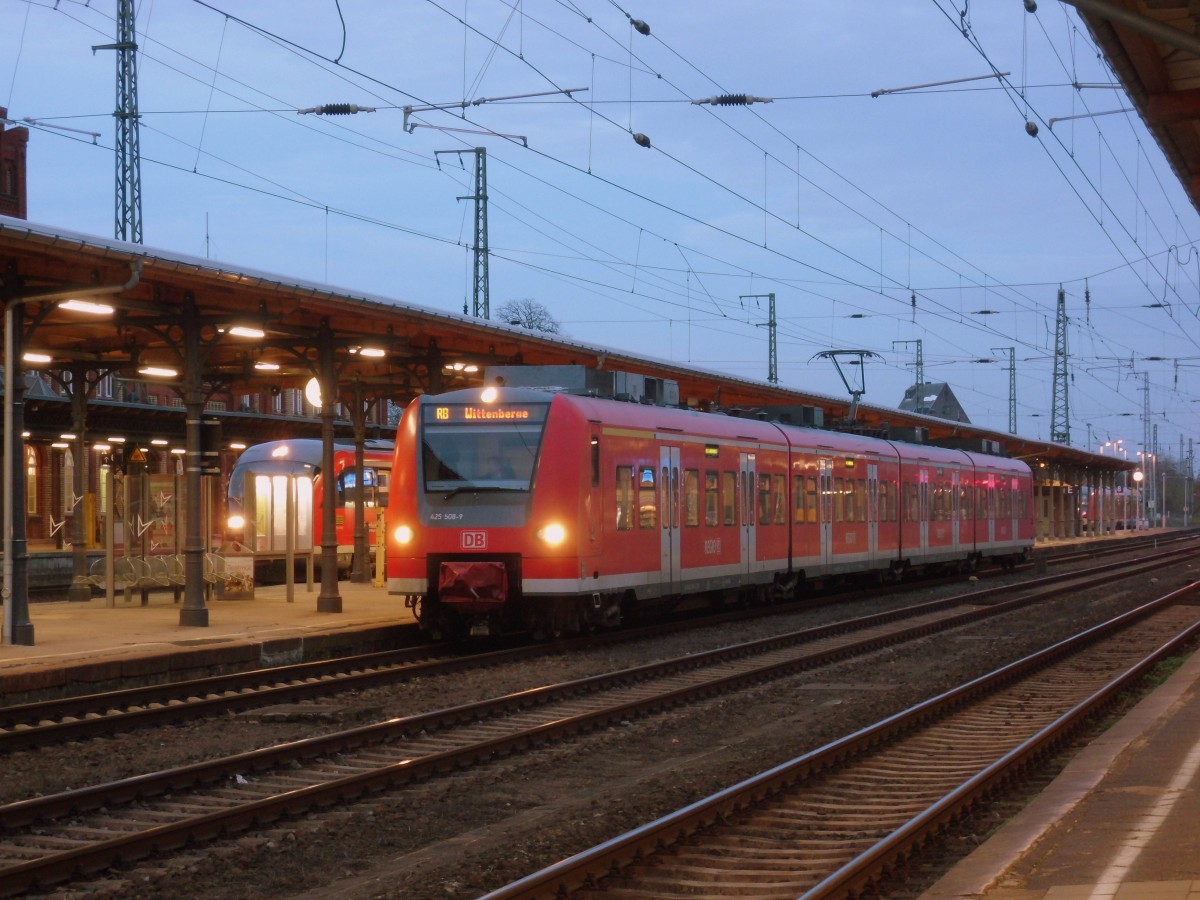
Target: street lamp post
x,y
1141,498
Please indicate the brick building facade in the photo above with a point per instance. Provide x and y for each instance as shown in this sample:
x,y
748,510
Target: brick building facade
x,y
12,168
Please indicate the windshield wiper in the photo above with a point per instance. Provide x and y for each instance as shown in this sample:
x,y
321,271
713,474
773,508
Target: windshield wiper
x,y
483,488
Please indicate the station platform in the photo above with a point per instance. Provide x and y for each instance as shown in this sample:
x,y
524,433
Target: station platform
x,y
87,646
1121,821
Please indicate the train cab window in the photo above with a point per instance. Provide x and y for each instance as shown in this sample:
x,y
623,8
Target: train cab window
x,y
780,486
729,497
647,499
346,482
624,498
691,497
712,499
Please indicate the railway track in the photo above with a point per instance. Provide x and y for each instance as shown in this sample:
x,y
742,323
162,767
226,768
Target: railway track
x,y
50,839
839,821
29,725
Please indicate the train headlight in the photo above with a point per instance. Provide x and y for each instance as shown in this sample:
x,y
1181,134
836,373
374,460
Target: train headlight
x,y
553,534
235,523
403,534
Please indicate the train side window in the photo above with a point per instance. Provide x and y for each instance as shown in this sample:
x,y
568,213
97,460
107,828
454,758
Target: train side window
x,y
712,499
860,499
810,498
780,486
691,497
912,506
839,499
798,499
981,502
729,497
966,502
647,499
887,502
764,499
595,460
624,498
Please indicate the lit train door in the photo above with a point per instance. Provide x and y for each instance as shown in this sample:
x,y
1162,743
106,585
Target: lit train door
x,y
747,473
923,499
669,548
872,512
990,508
955,502
825,489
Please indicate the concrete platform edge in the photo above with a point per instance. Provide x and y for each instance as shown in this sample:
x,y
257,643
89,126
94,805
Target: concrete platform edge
x,y
986,866
216,656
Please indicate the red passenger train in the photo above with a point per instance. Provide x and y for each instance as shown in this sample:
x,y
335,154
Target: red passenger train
x,y
518,509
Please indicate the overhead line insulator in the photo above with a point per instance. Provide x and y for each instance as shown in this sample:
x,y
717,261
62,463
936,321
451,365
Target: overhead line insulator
x,y
335,109
732,100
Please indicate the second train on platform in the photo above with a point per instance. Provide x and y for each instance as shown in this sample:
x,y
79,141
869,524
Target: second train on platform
x,y
514,509
256,498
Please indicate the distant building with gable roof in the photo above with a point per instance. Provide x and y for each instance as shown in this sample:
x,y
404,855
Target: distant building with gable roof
x,y
934,398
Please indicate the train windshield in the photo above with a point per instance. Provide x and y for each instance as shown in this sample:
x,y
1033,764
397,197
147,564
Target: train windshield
x,y
467,447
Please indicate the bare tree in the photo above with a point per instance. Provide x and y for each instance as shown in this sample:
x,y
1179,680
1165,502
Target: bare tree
x,y
528,313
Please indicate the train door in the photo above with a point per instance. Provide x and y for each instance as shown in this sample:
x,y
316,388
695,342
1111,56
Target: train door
x,y
923,512
955,504
825,486
748,476
872,512
990,508
669,548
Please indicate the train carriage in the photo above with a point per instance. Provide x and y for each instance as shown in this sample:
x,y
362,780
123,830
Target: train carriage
x,y
515,508
256,497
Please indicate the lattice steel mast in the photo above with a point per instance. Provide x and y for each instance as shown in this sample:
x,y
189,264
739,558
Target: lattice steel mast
x,y
481,290
919,373
772,353
1012,386
1060,410
129,159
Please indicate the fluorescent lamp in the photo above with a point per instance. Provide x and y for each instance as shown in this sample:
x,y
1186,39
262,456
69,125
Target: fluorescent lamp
x,y
86,306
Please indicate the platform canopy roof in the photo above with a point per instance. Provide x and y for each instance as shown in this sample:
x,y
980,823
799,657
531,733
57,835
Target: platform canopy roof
x,y
382,347
1154,49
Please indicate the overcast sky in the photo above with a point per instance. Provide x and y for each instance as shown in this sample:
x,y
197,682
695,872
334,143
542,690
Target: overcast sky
x,y
926,215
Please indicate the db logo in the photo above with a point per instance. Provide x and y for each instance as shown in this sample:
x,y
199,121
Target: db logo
x,y
474,540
